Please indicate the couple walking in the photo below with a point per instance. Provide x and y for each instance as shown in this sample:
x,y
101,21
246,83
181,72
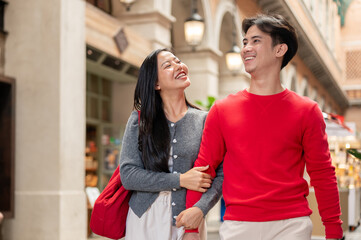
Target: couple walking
x,y
253,146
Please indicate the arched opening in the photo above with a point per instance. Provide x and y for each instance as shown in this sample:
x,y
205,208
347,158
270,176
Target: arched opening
x,y
230,82
181,10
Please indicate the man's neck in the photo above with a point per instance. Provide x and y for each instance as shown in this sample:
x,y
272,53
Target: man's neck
x,y
269,84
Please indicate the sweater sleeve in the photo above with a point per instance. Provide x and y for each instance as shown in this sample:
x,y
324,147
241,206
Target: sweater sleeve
x,y
213,194
322,173
132,172
211,153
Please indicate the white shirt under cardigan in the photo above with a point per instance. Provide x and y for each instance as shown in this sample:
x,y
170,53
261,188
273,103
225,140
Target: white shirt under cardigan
x,y
156,222
185,138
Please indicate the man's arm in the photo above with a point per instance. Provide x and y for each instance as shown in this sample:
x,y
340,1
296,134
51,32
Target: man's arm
x,y
211,153
322,173
192,217
211,197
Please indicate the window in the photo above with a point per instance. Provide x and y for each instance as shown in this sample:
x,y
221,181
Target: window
x,y
7,145
98,97
353,64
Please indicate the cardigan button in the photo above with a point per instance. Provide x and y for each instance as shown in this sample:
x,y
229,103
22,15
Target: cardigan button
x,y
174,189
175,156
173,203
172,124
174,140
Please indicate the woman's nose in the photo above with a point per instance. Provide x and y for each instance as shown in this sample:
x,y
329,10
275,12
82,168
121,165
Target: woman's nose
x,y
178,66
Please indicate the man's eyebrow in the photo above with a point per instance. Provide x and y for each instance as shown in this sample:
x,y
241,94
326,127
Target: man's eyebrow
x,y
256,37
253,37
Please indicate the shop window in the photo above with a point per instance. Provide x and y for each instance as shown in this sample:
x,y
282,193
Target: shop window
x,y
106,87
7,145
92,107
92,85
99,94
103,137
105,5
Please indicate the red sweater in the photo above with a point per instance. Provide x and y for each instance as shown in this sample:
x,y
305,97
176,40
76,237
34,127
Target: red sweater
x,y
265,142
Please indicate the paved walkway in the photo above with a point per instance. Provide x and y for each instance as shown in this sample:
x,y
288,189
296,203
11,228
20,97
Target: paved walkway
x,y
354,235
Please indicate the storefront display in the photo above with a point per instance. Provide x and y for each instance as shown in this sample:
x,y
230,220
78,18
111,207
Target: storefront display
x,y
343,141
101,160
104,132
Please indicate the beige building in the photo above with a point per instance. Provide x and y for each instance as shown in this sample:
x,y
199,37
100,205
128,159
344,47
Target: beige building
x,y
75,64
351,44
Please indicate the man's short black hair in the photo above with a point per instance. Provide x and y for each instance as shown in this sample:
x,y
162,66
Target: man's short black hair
x,y
279,29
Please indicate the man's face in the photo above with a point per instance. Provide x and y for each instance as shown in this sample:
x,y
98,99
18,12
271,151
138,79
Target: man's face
x,y
257,53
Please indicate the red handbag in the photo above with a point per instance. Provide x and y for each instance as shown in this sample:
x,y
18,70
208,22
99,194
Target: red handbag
x,y
110,210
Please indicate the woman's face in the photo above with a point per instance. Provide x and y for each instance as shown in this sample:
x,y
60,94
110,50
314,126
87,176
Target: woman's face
x,y
172,73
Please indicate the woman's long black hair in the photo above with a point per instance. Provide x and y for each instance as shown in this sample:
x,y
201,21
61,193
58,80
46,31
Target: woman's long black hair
x,y
154,136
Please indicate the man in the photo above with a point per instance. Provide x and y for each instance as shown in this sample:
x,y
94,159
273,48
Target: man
x,y
265,136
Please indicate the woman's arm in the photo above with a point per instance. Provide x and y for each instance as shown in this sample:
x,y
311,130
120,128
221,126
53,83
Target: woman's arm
x,y
135,177
193,216
211,197
211,153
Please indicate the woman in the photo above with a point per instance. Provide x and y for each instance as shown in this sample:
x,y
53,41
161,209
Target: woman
x,y
159,150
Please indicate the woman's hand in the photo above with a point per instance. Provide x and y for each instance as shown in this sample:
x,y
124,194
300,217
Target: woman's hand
x,y
196,180
191,236
190,218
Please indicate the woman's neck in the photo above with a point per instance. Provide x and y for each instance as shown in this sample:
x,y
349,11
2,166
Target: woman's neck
x,y
174,107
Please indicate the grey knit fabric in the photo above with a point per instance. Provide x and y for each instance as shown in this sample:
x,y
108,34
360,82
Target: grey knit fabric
x,y
186,135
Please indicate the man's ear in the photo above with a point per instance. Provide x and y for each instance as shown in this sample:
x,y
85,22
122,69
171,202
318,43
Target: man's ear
x,y
281,49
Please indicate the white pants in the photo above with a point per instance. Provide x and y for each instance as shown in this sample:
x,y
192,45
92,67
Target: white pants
x,y
294,228
156,222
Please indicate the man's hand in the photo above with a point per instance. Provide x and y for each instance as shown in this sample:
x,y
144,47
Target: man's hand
x,y
196,180
191,236
190,218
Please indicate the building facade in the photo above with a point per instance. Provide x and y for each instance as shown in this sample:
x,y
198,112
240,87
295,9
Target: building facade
x,y
75,64
351,44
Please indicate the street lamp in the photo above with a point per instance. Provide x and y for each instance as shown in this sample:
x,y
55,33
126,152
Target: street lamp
x,y
127,3
233,56
194,27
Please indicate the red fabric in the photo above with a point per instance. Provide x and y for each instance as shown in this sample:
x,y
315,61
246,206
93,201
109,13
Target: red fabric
x,y
265,142
110,209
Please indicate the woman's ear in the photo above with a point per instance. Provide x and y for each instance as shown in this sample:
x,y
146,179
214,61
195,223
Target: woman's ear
x,y
157,87
281,49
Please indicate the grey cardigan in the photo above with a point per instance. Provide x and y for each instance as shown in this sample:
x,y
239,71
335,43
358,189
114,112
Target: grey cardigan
x,y
185,135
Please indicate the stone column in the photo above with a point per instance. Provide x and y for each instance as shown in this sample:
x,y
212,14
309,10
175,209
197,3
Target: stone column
x,y
45,53
231,83
203,71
